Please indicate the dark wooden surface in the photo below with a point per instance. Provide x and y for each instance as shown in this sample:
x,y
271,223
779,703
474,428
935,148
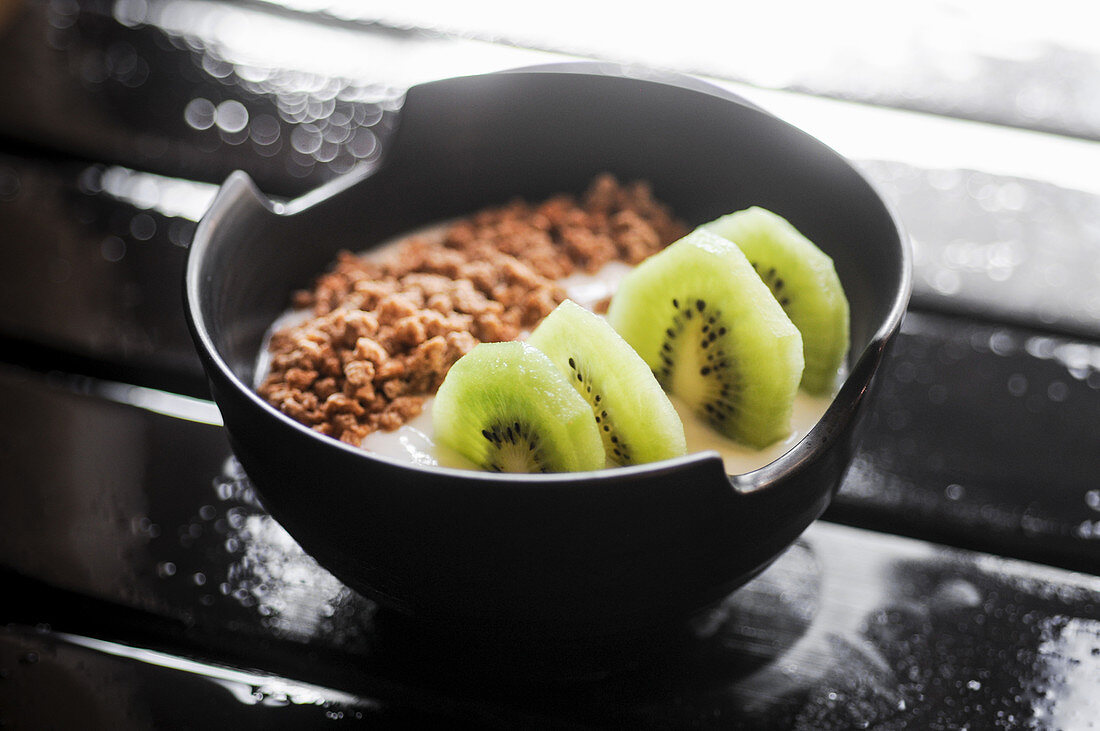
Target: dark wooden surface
x,y
953,583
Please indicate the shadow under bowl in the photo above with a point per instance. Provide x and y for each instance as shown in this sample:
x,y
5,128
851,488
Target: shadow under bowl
x,y
565,556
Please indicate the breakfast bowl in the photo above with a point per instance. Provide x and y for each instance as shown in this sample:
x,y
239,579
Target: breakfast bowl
x,y
564,556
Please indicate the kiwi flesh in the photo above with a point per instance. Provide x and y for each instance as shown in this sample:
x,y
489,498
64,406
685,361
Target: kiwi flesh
x,y
637,422
713,335
507,408
803,280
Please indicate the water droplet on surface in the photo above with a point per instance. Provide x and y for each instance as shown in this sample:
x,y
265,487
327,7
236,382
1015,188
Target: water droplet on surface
x,y
200,113
216,67
130,13
231,116
364,144
946,282
1057,391
143,227
236,517
1017,384
265,129
180,232
957,593
937,394
112,248
306,139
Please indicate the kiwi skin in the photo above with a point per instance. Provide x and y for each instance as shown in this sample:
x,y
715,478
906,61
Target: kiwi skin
x,y
746,364
636,420
506,407
804,281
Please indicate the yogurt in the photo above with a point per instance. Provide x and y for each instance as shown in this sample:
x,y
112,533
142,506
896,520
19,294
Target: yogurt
x,y
414,441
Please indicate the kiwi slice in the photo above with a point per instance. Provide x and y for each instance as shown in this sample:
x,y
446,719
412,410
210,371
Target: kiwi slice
x,y
803,279
636,420
713,334
507,408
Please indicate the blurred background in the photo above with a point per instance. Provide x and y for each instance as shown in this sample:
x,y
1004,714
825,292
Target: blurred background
x,y
148,584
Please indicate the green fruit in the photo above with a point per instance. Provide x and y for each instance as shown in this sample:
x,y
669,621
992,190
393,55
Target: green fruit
x,y
507,408
802,278
713,334
635,418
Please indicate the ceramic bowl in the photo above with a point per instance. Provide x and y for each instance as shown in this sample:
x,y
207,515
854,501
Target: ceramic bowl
x,y
580,555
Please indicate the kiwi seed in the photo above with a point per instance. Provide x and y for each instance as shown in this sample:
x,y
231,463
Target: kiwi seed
x,y
615,446
514,444
632,415
725,347
506,407
722,382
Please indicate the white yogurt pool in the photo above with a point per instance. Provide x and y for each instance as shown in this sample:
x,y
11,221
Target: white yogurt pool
x,y
414,441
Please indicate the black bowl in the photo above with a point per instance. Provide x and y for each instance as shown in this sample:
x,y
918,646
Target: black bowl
x,y
580,555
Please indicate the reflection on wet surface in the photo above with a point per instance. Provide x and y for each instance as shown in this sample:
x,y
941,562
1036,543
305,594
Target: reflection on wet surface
x,y
971,59
146,579
92,255
176,87
1007,248
293,596
74,681
170,197
985,436
848,629
199,89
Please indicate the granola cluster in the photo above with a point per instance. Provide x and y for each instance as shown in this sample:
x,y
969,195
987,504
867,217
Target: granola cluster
x,y
384,328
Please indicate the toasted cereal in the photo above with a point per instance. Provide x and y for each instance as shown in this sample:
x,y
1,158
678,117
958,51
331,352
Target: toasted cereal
x,y
384,330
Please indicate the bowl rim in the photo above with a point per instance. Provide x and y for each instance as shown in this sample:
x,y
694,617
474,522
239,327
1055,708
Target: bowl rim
x,y
239,189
